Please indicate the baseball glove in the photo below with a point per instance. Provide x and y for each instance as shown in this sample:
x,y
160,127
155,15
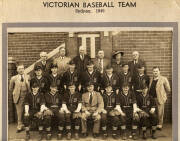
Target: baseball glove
x,y
48,113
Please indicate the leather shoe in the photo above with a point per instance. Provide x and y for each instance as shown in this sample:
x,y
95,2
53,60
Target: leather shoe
x,y
84,135
95,135
76,136
59,137
68,136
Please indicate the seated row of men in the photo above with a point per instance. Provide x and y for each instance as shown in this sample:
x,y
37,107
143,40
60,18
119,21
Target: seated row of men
x,y
72,108
91,74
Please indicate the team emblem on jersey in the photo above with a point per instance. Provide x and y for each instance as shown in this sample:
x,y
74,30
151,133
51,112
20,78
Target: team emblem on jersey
x,y
57,100
95,80
42,85
58,82
75,78
114,82
75,100
38,100
113,100
148,103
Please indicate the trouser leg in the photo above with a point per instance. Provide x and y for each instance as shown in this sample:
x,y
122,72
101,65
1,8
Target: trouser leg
x,y
84,125
104,123
77,122
160,114
68,122
61,121
19,109
115,124
96,126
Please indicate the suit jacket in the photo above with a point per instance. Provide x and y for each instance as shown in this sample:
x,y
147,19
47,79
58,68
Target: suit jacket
x,y
134,67
97,102
162,88
81,64
62,64
117,68
45,68
106,62
16,87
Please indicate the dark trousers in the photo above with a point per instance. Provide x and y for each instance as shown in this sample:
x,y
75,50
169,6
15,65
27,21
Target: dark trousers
x,y
60,120
151,120
32,118
128,119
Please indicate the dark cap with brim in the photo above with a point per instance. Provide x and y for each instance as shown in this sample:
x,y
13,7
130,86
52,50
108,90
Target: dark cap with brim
x,y
89,84
38,67
53,65
35,85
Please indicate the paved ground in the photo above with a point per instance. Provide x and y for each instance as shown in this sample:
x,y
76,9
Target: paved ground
x,y
164,135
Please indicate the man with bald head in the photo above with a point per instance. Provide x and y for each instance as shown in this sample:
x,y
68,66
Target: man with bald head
x,y
133,65
81,60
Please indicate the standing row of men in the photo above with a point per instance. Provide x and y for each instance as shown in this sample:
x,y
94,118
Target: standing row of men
x,y
65,73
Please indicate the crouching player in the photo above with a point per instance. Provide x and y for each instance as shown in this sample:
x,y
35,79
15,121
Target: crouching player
x,y
53,110
110,111
129,111
72,107
34,106
92,105
147,115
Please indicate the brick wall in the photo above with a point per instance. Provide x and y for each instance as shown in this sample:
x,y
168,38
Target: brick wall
x,y
25,47
155,47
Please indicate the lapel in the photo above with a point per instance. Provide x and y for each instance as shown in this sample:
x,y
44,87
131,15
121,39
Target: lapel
x,y
159,82
93,97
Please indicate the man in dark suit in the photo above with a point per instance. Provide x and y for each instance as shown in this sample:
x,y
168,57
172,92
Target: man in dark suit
x,y
81,60
43,63
135,62
100,62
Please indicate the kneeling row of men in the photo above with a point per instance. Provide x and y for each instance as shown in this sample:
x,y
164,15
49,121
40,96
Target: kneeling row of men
x,y
122,109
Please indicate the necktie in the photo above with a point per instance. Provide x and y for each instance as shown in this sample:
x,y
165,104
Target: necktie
x,y
22,79
90,99
82,57
100,66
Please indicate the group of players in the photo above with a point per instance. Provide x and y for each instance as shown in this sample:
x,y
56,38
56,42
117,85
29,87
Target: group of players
x,y
75,98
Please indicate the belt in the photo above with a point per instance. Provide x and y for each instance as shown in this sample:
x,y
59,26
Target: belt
x,y
109,106
126,106
54,106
